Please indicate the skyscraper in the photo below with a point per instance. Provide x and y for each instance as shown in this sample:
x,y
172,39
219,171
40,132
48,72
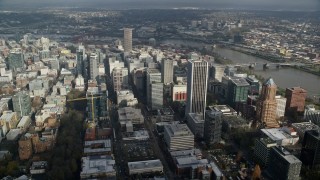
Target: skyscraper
x,y
283,165
80,59
127,39
296,98
197,87
21,104
154,97
267,104
310,152
93,66
120,78
15,60
167,71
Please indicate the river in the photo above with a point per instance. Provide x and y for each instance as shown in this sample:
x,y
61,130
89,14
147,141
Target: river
x,y
283,77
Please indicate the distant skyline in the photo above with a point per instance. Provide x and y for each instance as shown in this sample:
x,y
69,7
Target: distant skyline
x,y
294,5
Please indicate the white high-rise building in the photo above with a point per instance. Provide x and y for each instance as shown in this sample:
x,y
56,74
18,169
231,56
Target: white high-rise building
x,y
93,66
167,71
197,87
127,39
153,77
281,106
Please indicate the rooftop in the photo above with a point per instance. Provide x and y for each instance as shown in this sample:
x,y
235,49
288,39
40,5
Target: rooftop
x,y
97,165
286,155
278,134
305,126
144,164
178,130
239,81
197,118
269,82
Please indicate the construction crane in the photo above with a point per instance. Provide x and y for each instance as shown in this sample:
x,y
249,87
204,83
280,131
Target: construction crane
x,y
87,98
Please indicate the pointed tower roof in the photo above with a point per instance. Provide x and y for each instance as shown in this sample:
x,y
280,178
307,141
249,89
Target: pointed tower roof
x,y
269,82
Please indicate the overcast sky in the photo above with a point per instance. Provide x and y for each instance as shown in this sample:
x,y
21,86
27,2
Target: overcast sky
x,y
128,4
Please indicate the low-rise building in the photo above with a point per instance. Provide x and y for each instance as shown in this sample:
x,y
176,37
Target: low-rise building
x,y
126,98
165,115
283,136
178,137
130,114
145,167
38,167
196,124
98,167
303,127
9,119
25,147
97,147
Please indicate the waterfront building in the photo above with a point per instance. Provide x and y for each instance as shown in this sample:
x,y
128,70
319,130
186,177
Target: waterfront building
x,y
267,104
197,87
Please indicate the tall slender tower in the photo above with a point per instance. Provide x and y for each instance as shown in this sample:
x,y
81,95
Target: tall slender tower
x,y
167,71
127,40
267,104
197,87
93,66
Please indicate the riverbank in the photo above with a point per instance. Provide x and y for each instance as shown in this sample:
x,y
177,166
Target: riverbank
x,y
274,59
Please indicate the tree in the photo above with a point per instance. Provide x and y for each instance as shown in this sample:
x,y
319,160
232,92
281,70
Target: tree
x,y
12,168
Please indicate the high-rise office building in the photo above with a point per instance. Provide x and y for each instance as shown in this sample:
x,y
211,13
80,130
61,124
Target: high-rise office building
x,y
311,114
16,60
127,40
212,127
93,66
267,104
262,149
283,165
156,96
80,60
167,71
197,87
120,79
237,92
296,98
153,77
217,72
254,85
21,104
310,152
